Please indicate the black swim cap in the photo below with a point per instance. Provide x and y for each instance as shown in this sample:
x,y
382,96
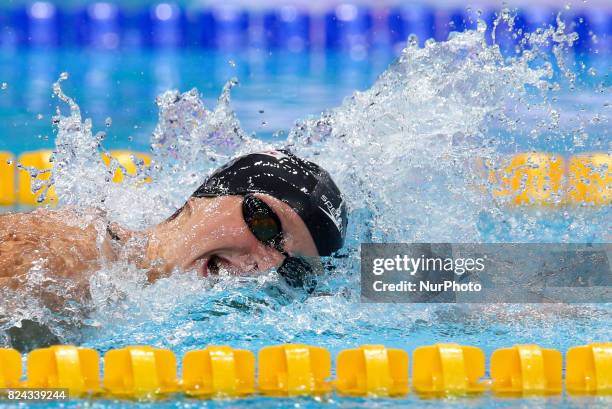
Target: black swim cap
x,y
303,185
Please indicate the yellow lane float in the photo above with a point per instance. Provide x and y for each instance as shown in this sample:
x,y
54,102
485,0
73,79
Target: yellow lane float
x,y
64,366
219,371
127,159
590,179
589,369
10,368
448,369
294,370
39,160
526,370
8,188
531,179
372,370
143,372
140,372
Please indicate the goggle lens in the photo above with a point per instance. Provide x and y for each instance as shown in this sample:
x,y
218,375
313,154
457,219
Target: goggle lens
x,y
262,221
266,227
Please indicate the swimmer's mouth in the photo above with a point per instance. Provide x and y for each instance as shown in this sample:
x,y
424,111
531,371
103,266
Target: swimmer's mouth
x,y
213,265
209,265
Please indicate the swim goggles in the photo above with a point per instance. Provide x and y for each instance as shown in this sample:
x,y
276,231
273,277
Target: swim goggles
x,y
267,228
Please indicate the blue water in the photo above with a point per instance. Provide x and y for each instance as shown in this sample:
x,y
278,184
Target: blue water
x,y
276,88
123,86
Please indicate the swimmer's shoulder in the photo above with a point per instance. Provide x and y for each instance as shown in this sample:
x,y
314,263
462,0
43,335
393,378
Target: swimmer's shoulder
x,y
64,241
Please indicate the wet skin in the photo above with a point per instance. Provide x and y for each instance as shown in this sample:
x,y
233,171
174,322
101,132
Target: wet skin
x,y
208,235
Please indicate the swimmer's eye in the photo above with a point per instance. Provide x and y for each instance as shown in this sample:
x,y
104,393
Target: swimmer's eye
x,y
262,221
264,227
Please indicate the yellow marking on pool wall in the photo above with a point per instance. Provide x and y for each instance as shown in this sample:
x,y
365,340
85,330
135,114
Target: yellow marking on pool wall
x,y
589,369
294,370
64,366
219,371
448,369
8,189
372,370
526,370
10,368
41,161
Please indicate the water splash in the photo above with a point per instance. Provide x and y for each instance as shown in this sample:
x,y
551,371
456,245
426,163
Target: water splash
x,y
408,155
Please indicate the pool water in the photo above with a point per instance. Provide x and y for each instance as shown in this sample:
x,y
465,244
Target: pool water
x,y
276,88
401,150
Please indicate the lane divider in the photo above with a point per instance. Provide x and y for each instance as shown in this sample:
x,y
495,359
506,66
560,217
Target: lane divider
x,y
219,371
294,370
16,184
8,187
372,370
448,369
526,369
140,372
10,368
532,179
41,161
64,366
589,369
222,25
441,370
126,160
548,180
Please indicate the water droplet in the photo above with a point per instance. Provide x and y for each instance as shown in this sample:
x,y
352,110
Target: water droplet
x,y
39,116
413,40
232,63
108,122
261,111
63,76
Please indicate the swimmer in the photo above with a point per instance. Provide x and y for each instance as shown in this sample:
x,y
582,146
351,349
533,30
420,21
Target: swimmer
x,y
260,211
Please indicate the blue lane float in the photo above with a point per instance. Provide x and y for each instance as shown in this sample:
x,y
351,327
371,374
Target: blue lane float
x,y
415,20
288,28
36,25
594,31
230,26
165,25
100,26
347,26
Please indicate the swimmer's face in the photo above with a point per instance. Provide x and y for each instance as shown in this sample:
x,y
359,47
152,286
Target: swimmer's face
x,y
211,235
